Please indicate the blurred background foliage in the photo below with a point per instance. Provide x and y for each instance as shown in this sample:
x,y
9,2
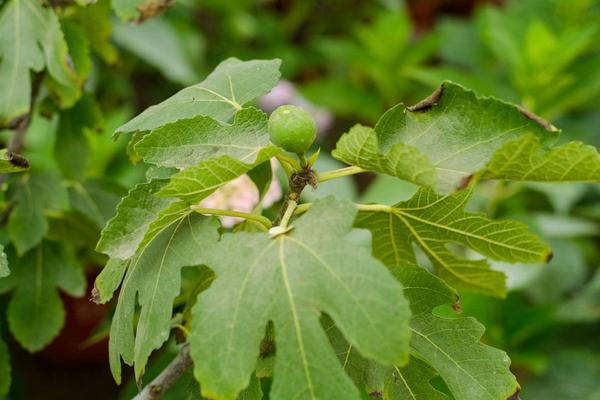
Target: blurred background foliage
x,y
353,59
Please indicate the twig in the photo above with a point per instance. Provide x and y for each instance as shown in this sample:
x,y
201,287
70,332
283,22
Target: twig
x,y
170,375
297,182
21,125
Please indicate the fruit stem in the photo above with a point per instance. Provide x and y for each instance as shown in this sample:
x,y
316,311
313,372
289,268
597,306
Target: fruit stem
x,y
338,173
262,221
303,162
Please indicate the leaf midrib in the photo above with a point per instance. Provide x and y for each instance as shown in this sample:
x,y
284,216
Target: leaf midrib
x,y
337,278
446,266
399,212
412,395
453,361
299,337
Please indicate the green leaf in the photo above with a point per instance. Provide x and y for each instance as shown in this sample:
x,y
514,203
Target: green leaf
x,y
199,181
73,228
584,306
32,195
30,38
72,147
412,382
409,382
124,232
368,376
253,391
262,176
431,222
96,199
4,271
160,44
154,279
95,20
4,368
109,280
35,313
79,59
232,84
559,381
11,162
524,160
451,346
184,143
290,280
456,130
359,147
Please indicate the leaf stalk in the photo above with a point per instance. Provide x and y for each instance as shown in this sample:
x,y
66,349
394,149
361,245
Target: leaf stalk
x,y
302,208
263,221
338,173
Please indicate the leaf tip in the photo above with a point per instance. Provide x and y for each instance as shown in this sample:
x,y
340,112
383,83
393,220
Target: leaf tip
x,y
95,296
465,181
515,395
456,307
428,102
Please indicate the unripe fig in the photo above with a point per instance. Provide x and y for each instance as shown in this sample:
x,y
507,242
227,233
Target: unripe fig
x,y
292,128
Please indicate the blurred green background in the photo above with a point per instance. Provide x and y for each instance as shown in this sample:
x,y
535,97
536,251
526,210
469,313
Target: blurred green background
x,y
352,60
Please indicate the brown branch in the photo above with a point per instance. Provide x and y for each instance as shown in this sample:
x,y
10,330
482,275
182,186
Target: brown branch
x,y
21,124
170,375
298,181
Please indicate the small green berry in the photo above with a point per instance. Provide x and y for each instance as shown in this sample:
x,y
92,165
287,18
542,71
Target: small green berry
x,y
292,128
